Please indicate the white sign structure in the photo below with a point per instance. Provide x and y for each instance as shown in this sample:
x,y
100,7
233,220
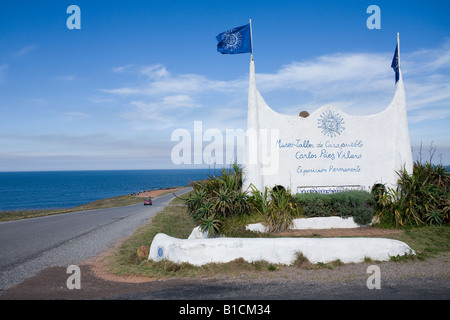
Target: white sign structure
x,y
327,151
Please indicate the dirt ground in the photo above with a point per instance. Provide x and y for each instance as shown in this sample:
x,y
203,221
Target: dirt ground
x,y
353,232
98,283
155,193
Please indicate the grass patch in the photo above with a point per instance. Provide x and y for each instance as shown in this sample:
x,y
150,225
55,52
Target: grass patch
x,y
173,221
426,241
234,226
176,222
302,262
180,200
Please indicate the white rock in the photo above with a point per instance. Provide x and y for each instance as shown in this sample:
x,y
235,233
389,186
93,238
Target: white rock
x,y
257,227
324,223
197,233
312,223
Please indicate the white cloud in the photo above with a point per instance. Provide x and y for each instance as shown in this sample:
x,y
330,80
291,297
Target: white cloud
x,y
327,78
429,114
364,83
161,112
177,101
122,91
333,69
98,99
122,69
92,144
430,59
358,83
159,81
25,50
154,72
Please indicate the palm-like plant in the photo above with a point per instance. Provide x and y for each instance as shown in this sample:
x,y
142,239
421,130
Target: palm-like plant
x,y
217,198
205,210
223,202
211,225
195,200
241,204
422,197
281,210
259,201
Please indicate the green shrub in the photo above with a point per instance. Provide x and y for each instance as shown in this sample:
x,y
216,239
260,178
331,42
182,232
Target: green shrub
x,y
421,197
276,206
281,210
357,204
259,201
211,225
217,198
220,198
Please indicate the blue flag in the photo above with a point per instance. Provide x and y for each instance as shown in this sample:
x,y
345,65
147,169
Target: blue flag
x,y
237,40
395,64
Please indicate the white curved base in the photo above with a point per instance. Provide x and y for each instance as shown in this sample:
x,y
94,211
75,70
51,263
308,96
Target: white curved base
x,y
313,223
274,250
324,223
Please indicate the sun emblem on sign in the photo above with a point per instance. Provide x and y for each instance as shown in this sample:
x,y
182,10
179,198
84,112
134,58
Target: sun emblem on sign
x,y
331,123
232,40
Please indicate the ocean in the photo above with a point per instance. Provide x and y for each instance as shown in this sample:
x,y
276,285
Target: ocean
x,y
66,189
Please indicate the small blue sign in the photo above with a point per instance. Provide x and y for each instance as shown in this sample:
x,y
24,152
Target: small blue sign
x,y
160,252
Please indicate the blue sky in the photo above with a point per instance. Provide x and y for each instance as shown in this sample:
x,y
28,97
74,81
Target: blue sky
x,y
110,95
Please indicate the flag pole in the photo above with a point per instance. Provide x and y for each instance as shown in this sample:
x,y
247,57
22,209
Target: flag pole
x,y
251,38
398,49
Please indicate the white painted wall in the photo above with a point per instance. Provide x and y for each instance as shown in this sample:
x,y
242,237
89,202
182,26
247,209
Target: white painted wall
x,y
274,250
299,154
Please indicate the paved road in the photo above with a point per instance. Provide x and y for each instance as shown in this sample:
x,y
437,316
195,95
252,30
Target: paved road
x,y
427,288
30,245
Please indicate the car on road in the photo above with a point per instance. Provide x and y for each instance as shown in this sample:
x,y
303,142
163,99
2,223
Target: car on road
x,y
148,202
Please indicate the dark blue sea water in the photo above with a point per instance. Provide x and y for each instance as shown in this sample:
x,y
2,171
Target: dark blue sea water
x,y
65,189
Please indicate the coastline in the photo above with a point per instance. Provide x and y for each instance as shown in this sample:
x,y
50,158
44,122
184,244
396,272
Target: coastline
x,y
118,201
157,192
48,190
